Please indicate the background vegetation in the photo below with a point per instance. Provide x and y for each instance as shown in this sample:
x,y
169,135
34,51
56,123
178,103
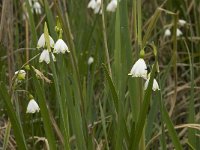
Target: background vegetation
x,y
98,106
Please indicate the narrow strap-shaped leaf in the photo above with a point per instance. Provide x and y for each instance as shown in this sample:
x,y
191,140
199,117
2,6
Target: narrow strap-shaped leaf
x,y
170,127
17,128
104,125
45,113
112,88
6,136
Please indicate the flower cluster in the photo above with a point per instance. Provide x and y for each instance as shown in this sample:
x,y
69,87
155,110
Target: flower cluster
x,y
139,69
179,33
35,7
96,6
59,47
45,55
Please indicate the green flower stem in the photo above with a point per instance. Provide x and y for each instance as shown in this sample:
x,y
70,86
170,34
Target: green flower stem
x,y
105,41
140,46
139,23
142,141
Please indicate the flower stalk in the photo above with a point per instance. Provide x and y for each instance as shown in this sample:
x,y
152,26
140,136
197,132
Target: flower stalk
x,y
105,41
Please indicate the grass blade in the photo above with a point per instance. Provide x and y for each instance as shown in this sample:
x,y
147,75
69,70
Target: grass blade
x,y
170,127
44,112
16,125
6,136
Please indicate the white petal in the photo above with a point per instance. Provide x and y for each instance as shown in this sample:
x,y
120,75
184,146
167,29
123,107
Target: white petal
x,y
20,72
167,33
139,69
97,9
37,7
178,32
60,47
181,22
92,4
41,41
44,56
90,60
51,41
32,107
47,58
98,2
111,7
155,85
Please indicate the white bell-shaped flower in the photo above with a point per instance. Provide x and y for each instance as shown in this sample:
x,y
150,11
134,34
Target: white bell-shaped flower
x,y
111,7
37,8
21,74
167,33
32,107
60,47
181,22
139,69
96,6
90,60
46,57
92,4
98,10
41,41
155,85
178,32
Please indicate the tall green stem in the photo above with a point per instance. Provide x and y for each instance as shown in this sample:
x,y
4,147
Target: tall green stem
x,y
142,141
105,41
139,23
140,46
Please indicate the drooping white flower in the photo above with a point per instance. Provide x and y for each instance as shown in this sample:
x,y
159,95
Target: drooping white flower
x,y
178,32
37,8
60,47
90,60
98,10
32,107
139,69
21,74
98,7
41,41
155,85
95,5
167,33
46,57
182,22
92,4
111,7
